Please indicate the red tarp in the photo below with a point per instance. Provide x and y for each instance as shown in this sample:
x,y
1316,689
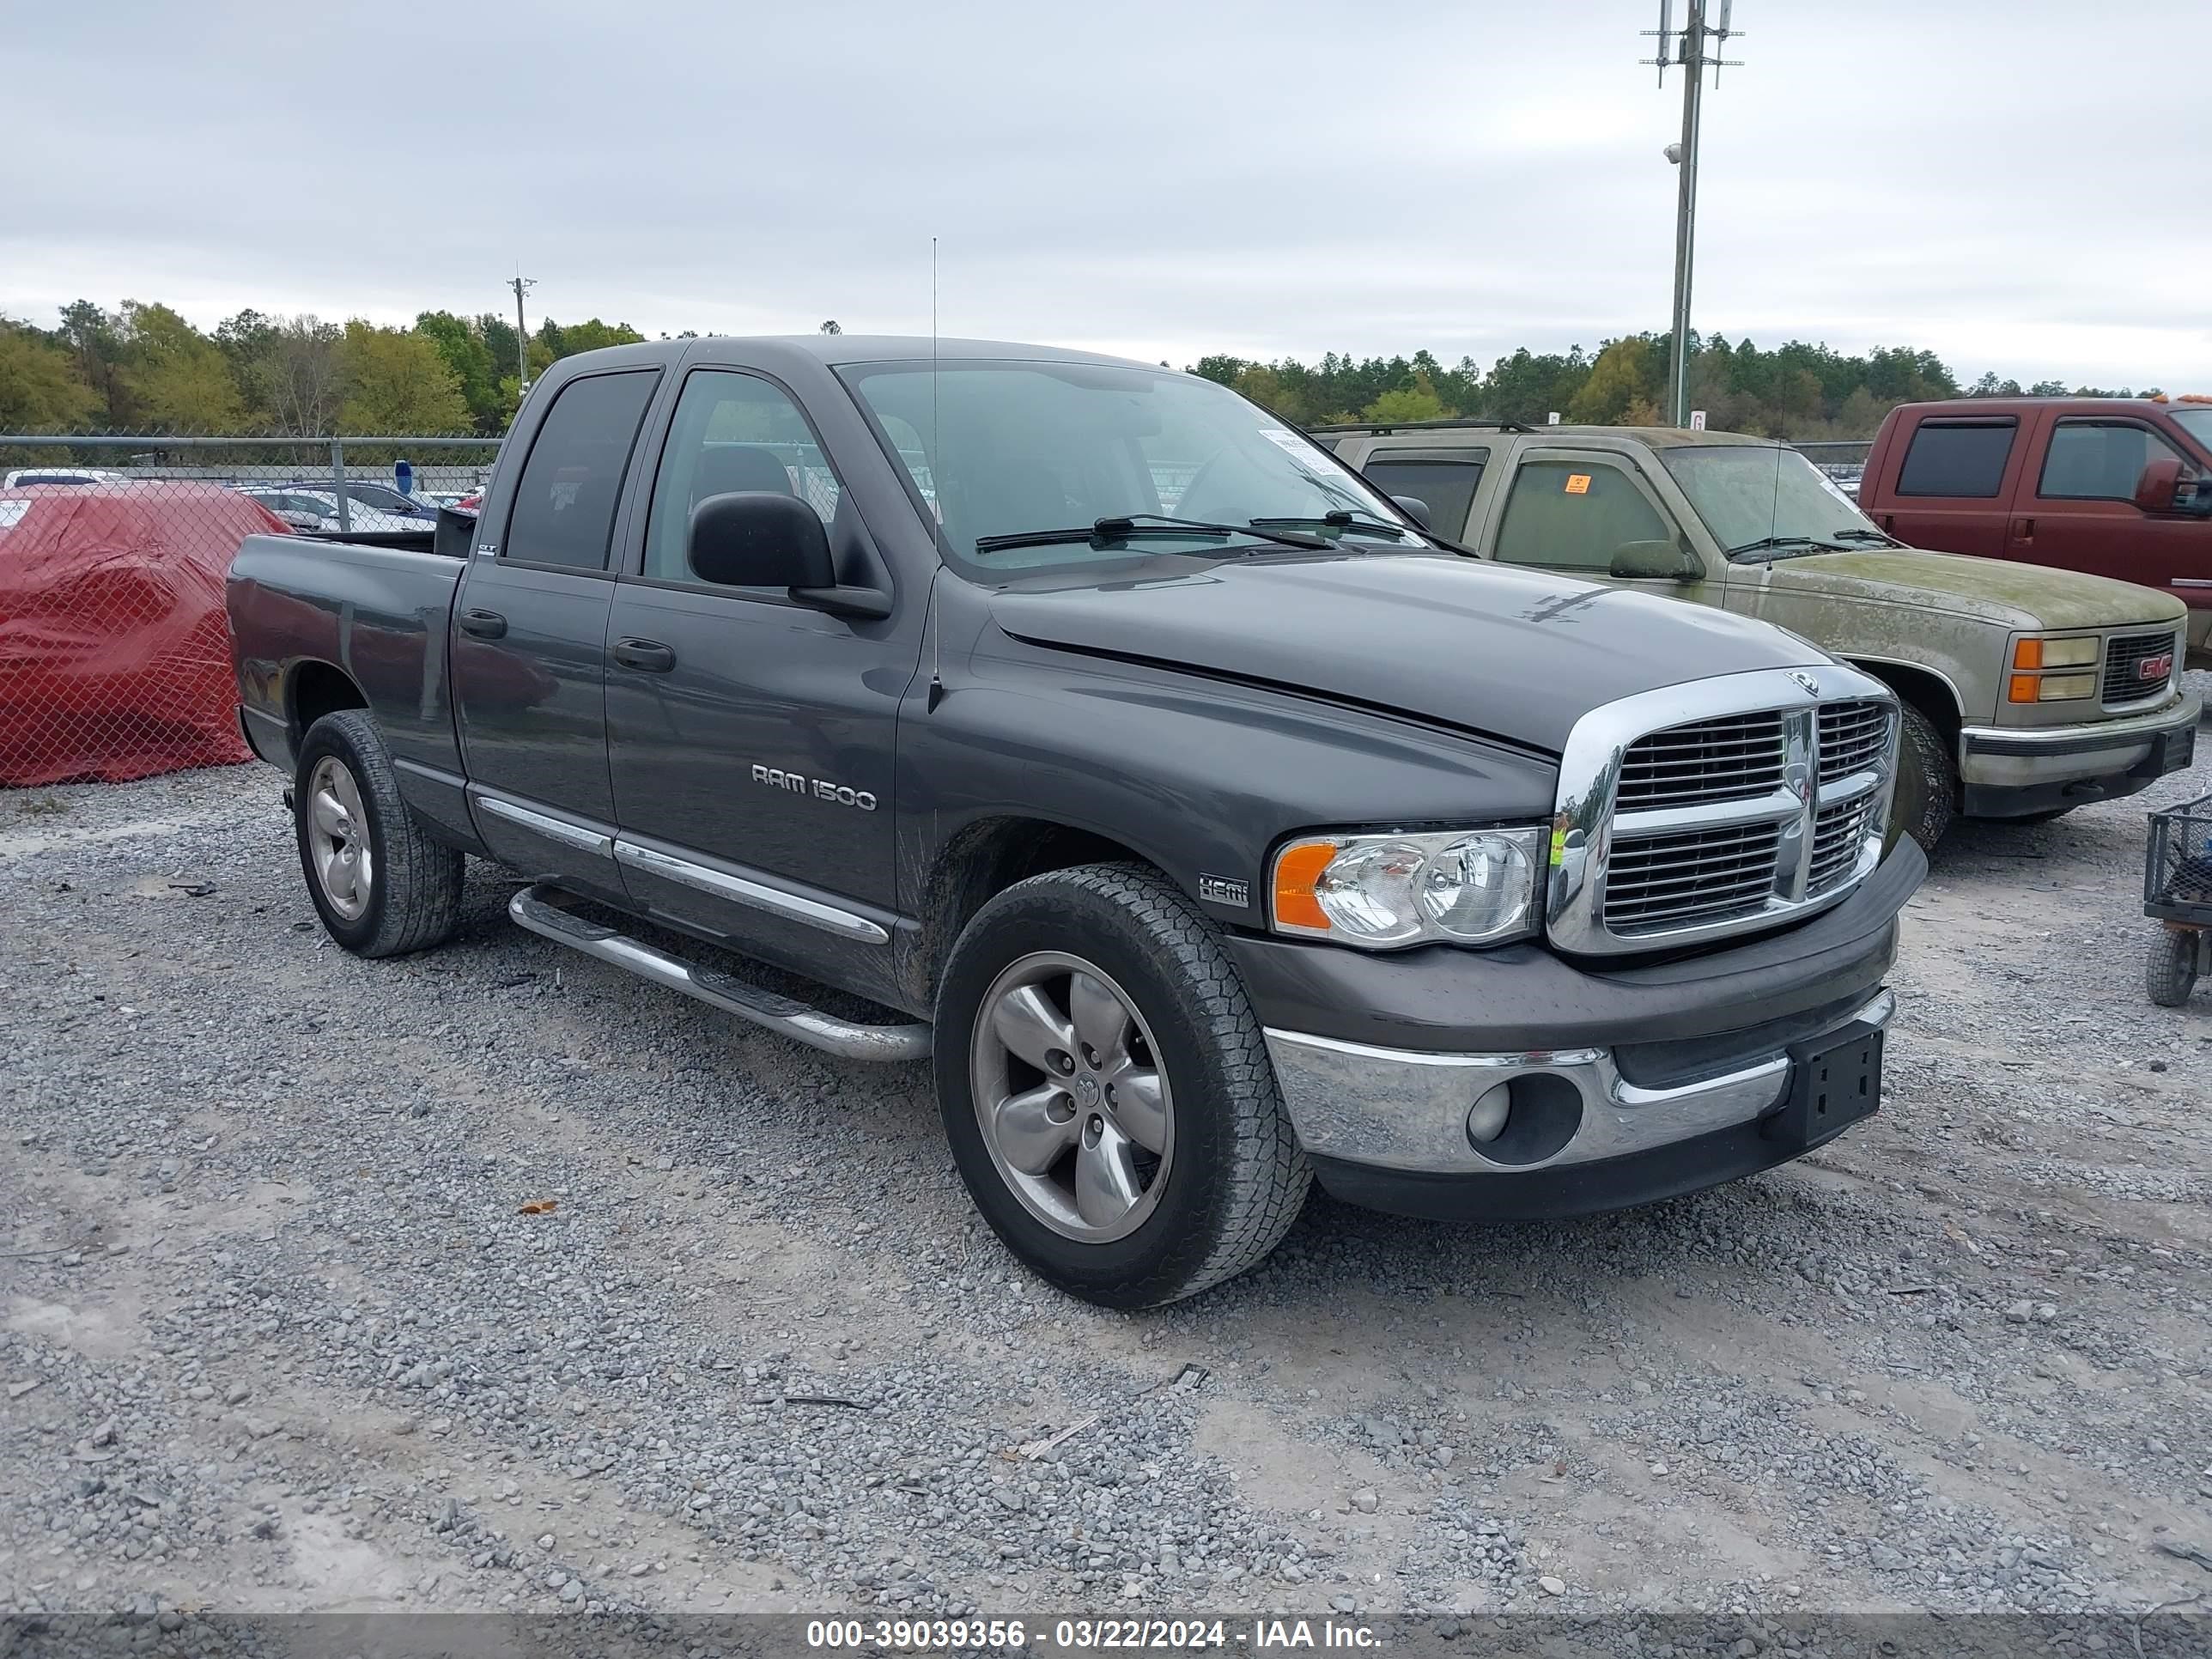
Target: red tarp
x,y
114,653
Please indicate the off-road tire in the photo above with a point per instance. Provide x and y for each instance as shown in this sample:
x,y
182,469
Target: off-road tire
x,y
1926,794
2170,971
1237,1179
414,895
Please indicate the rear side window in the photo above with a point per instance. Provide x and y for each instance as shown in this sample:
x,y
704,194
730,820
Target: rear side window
x,y
1447,488
1957,458
564,503
2100,461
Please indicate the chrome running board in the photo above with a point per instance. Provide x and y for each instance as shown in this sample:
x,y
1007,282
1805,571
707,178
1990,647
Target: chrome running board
x,y
541,910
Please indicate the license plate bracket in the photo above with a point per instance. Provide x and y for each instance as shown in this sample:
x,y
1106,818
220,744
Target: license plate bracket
x,y
1835,1081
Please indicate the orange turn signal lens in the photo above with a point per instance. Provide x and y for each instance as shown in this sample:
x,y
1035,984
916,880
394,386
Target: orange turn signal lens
x,y
1297,867
2025,688
2025,653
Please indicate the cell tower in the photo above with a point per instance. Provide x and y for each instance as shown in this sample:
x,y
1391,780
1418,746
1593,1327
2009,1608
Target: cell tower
x,y
1695,48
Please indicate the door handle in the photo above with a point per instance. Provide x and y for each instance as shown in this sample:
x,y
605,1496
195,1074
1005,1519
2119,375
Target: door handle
x,y
2027,529
647,656
484,625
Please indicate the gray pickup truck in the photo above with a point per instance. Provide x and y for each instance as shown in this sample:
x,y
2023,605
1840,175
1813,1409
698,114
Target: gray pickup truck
x,y
1213,827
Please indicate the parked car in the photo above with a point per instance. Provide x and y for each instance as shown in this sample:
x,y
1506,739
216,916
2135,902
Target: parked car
x,y
317,510
25,477
1210,846
2025,692
2117,486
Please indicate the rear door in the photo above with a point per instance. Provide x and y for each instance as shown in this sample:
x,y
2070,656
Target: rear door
x,y
2076,507
752,740
529,638
1954,481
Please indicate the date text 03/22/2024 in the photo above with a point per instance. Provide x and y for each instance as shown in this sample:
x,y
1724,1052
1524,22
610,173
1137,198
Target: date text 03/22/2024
x,y
1083,1635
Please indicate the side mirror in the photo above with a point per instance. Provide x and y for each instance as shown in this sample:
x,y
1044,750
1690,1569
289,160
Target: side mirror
x,y
1659,561
759,538
2156,488
1416,509
762,538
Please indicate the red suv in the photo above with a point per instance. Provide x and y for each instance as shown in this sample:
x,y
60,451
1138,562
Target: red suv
x,y
2118,487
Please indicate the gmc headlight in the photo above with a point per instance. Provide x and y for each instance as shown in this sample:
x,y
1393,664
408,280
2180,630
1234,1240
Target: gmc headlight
x,y
1384,892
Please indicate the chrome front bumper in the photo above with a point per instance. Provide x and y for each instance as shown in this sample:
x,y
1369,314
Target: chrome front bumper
x,y
1396,1109
2014,756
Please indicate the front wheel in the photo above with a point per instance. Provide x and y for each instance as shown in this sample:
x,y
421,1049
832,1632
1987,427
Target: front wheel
x,y
380,886
1927,783
1107,1092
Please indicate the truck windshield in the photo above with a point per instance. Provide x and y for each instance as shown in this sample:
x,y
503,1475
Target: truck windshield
x,y
1767,503
1002,454
2196,422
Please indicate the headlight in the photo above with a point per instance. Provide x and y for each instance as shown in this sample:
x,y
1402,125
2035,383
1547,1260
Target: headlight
x,y
2034,660
1381,892
2032,654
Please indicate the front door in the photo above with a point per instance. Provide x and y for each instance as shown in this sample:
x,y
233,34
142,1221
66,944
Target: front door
x,y
529,640
2081,514
751,740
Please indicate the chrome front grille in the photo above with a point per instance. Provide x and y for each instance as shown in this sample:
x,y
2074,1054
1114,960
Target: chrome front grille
x,y
2124,656
1660,881
1840,832
1765,795
1736,758
1853,736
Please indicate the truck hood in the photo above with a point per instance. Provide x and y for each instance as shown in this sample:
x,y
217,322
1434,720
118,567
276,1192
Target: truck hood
x,y
2017,596
1512,653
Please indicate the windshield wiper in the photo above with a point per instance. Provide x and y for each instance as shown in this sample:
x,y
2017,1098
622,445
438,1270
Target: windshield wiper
x,y
1867,536
1766,543
1341,518
1121,528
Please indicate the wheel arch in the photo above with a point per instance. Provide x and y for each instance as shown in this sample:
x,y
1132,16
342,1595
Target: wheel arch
x,y
314,688
1926,690
982,860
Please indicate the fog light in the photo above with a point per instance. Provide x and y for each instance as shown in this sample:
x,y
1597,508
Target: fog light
x,y
1485,1119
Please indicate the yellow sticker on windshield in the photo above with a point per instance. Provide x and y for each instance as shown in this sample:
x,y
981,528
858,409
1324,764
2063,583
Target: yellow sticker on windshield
x,y
1578,483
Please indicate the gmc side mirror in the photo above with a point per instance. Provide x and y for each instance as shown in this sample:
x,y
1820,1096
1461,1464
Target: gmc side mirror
x,y
1655,561
2160,481
762,538
1416,509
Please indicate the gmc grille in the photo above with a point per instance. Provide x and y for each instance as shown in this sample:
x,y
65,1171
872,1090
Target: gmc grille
x,y
2124,656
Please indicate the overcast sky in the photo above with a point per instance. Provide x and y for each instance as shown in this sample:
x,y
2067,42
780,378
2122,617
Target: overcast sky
x,y
2017,186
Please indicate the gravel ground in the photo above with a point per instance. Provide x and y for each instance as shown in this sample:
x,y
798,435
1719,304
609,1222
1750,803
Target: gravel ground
x,y
280,1336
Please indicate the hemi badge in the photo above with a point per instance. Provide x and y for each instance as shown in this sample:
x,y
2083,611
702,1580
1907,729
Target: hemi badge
x,y
1222,890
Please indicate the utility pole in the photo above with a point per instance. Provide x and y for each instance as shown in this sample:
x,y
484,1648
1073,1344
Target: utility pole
x,y
520,284
1697,47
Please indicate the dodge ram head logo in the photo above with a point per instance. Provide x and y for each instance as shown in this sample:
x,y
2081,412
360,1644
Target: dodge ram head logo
x,y
2155,668
1805,682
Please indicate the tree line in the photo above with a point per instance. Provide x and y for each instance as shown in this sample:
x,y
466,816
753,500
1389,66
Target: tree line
x,y
1794,391
144,367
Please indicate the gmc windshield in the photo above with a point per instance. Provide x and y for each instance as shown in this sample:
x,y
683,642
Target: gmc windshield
x,y
999,451
1761,500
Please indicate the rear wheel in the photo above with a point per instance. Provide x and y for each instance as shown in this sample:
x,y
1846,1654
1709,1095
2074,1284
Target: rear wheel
x,y
1927,781
1107,1092
2170,973
380,886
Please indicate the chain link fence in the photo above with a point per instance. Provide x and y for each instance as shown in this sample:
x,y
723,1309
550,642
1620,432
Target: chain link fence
x,y
115,657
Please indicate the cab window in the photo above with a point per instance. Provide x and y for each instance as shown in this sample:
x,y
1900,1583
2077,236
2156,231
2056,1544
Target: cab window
x,y
1964,458
1445,487
2100,461
1575,516
731,432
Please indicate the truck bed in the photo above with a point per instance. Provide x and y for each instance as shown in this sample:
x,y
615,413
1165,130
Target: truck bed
x,y
376,611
